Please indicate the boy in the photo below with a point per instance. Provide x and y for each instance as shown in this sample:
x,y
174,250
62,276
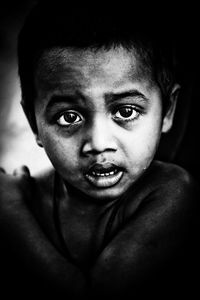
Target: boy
x,y
98,92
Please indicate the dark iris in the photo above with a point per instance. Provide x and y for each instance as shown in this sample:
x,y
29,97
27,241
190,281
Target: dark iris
x,y
126,112
70,117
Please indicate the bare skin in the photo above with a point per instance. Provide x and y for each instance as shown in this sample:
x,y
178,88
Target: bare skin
x,y
116,266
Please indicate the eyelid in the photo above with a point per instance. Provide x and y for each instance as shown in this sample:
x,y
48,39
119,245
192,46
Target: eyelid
x,y
61,110
127,119
140,105
129,94
127,105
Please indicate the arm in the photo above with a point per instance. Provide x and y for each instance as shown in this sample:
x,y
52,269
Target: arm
x,y
139,247
27,240
147,248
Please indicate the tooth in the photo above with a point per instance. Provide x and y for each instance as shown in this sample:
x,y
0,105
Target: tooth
x,y
111,173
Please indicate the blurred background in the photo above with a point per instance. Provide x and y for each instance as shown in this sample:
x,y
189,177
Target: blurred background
x,y
17,143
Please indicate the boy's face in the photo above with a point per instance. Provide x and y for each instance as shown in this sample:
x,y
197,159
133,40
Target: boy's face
x,y
99,118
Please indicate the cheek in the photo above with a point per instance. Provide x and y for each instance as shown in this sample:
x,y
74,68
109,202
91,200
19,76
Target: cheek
x,y
62,152
141,144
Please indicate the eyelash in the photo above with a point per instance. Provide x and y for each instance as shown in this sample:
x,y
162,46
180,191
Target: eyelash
x,y
61,120
63,115
131,109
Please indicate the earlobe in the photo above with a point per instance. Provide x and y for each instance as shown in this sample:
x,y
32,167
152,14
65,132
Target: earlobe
x,y
38,141
169,116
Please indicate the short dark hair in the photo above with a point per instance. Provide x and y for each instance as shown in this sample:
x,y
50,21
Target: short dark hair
x,y
54,24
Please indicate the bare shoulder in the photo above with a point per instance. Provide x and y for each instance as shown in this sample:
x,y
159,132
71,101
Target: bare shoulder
x,y
166,201
10,187
171,181
172,189
44,184
17,188
164,186
169,172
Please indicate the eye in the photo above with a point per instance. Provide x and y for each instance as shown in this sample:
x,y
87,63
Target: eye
x,y
69,118
126,113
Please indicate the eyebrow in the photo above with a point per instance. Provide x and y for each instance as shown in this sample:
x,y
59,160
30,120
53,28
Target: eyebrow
x,y
59,99
111,97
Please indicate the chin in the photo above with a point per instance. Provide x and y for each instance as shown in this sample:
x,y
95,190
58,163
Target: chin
x,y
106,195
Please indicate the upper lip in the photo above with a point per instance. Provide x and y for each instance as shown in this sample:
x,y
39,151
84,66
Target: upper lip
x,y
104,167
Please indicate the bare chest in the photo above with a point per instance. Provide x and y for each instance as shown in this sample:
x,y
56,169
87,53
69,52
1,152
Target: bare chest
x,y
81,238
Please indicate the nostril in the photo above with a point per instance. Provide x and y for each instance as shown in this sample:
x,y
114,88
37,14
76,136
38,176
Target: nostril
x,y
99,137
97,146
87,150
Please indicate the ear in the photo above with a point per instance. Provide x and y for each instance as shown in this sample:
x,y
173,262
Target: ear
x,y
32,122
169,116
38,141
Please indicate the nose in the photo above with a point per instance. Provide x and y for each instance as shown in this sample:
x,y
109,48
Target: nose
x,y
100,137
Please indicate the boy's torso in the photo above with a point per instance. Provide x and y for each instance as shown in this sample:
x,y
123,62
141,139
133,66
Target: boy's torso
x,y
158,206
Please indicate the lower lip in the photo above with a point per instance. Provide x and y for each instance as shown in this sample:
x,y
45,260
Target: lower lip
x,y
105,181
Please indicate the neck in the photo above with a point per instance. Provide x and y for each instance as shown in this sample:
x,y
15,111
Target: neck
x,y
80,222
79,203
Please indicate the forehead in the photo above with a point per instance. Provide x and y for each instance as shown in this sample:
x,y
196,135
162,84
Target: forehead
x,y
87,68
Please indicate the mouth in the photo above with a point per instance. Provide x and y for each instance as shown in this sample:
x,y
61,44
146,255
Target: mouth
x,y
104,175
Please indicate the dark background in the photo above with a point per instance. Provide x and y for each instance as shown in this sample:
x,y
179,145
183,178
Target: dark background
x,y
17,145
